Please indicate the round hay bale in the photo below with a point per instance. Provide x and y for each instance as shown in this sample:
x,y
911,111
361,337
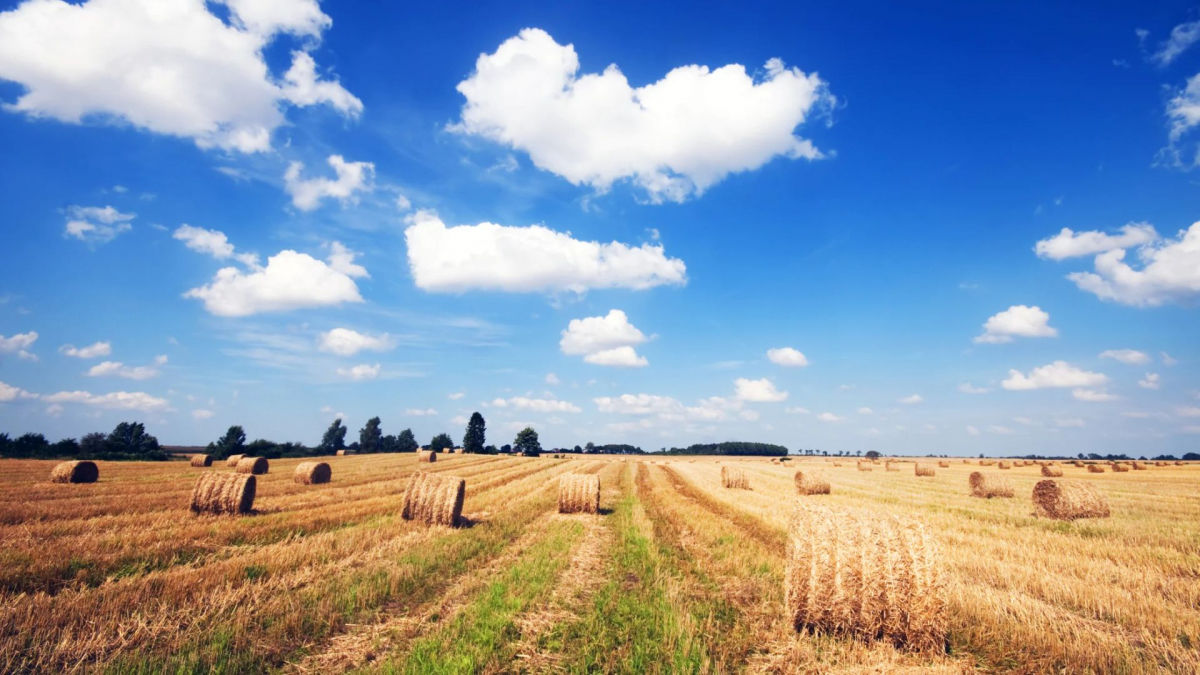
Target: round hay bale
x,y
224,493
341,453
887,466
1051,471
579,493
1120,468
1095,468
233,460
922,470
864,466
434,499
987,462
76,471
733,477
426,456
811,483
943,465
989,485
201,460
252,465
866,574
1069,500
312,473
1003,465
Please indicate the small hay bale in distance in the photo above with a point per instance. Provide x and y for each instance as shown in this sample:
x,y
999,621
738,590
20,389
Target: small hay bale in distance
x,y
1051,471
434,499
75,471
922,470
312,473
888,466
341,453
579,493
987,462
1003,465
224,493
253,465
233,460
1069,500
865,574
943,465
989,485
1095,468
864,466
426,456
1120,468
201,460
733,477
811,483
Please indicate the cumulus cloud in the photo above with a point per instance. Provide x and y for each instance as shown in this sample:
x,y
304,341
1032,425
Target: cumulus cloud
x,y
1093,395
94,350
787,356
202,414
911,399
1130,356
552,379
865,411
171,68
1150,381
96,224
1056,374
758,391
968,388
363,371
494,257
673,138
656,409
622,357
347,342
1016,321
118,369
421,412
117,400
604,340
830,417
291,280
341,259
307,193
10,393
541,405
1070,244
456,396
19,344
211,242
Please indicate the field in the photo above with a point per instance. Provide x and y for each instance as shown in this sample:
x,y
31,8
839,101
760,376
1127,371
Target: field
x,y
676,574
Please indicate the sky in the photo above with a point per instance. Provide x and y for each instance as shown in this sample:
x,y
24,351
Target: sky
x,y
967,228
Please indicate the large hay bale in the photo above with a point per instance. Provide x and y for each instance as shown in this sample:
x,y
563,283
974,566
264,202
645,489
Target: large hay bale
x,y
1003,465
989,485
434,499
1120,468
733,477
579,493
77,471
1095,468
866,574
233,460
201,460
426,456
922,470
1068,500
312,473
943,465
1051,471
224,493
811,483
864,466
253,465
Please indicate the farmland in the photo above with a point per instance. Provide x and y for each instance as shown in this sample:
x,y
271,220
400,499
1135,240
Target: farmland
x,y
676,573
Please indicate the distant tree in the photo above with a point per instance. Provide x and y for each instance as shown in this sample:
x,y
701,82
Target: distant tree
x,y
872,454
406,442
441,442
1190,456
5,446
129,440
590,447
31,445
388,443
232,443
578,449
67,447
92,445
369,436
334,438
474,439
527,443
490,450
259,447
506,449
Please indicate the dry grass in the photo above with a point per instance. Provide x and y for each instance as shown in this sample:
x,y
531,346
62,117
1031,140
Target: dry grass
x,y
312,473
734,477
253,465
923,470
76,471
1069,500
889,466
222,493
434,499
579,493
811,482
989,485
200,460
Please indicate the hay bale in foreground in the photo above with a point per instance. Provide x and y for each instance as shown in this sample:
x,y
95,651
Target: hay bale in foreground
x,y
201,460
1095,468
866,574
579,493
733,477
312,473
233,460
1069,500
864,466
77,471
811,483
1051,471
989,485
1120,468
434,499
426,456
943,465
922,470
224,493
252,465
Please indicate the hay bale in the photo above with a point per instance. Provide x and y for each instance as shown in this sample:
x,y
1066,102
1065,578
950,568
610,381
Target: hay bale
x,y
252,465
864,466
865,574
811,483
224,493
341,453
201,460
943,465
987,462
887,466
1069,500
733,477
233,460
1051,471
579,493
1120,468
1004,465
1095,468
922,470
1178,463
312,473
434,499
989,485
426,456
77,471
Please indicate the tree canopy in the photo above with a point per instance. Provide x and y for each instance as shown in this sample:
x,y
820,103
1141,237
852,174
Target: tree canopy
x,y
474,439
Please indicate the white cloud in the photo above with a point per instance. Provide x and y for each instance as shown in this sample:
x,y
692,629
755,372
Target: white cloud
x,y
341,259
118,369
972,430
541,405
211,242
674,138
168,67
1183,111
363,371
95,224
347,342
91,351
1149,382
307,193
528,259
11,393
1000,430
638,404
1093,395
1188,411
1167,359
456,396
1016,321
117,400
911,399
552,379
1056,374
290,281
968,388
796,410
830,417
758,391
1182,36
1070,244
786,356
402,203
604,340
421,412
19,344
202,414
1129,356
865,411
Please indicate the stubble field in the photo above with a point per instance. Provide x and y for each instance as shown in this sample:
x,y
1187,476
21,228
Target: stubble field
x,y
676,574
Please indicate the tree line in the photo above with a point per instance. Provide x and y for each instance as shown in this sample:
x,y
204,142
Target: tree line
x,y
731,448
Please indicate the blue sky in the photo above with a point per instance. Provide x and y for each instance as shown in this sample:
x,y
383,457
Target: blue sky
x,y
615,223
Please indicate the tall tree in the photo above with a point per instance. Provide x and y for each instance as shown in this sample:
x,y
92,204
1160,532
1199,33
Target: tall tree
x,y
334,438
232,443
369,437
441,442
406,442
527,443
129,440
474,439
